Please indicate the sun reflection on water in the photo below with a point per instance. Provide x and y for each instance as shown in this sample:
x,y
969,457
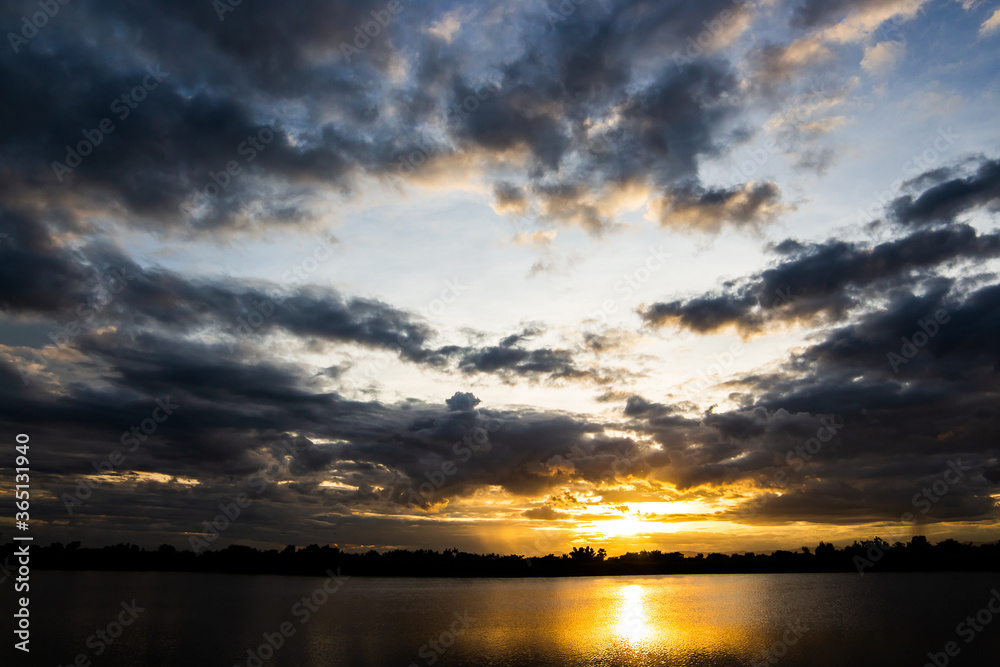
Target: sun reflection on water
x,y
633,622
668,617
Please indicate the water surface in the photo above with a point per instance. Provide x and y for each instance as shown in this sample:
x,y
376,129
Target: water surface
x,y
689,620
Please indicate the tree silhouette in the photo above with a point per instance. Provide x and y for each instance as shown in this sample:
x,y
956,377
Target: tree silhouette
x,y
877,555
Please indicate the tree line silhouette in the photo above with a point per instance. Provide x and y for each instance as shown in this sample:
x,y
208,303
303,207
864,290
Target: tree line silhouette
x,y
919,555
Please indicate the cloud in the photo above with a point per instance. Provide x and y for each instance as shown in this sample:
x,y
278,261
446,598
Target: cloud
x,y
508,360
844,503
862,16
462,401
447,26
539,237
608,341
828,280
826,26
883,57
835,462
950,197
694,207
237,416
509,199
240,415
813,13
991,24
332,122
703,314
777,64
546,513
37,274
97,287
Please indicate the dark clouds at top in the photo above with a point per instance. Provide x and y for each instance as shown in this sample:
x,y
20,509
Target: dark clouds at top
x,y
584,89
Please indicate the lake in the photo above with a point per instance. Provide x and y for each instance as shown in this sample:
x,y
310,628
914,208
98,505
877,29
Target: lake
x,y
689,620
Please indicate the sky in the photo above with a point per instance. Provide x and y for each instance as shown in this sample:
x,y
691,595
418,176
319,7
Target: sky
x,y
502,276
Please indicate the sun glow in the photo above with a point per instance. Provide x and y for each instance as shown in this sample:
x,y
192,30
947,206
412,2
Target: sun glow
x,y
625,526
645,518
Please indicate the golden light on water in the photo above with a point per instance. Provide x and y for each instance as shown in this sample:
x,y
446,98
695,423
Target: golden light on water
x,y
633,623
670,614
627,621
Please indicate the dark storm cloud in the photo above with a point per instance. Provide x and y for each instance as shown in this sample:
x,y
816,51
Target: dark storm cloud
x,y
842,466
97,286
703,314
952,350
510,359
637,405
81,290
659,133
608,341
716,448
241,416
709,209
36,274
950,197
462,401
676,119
911,386
846,503
858,424
236,417
813,13
905,391
239,408
828,278
210,92
39,276
160,154
331,115
278,44
509,121
597,103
